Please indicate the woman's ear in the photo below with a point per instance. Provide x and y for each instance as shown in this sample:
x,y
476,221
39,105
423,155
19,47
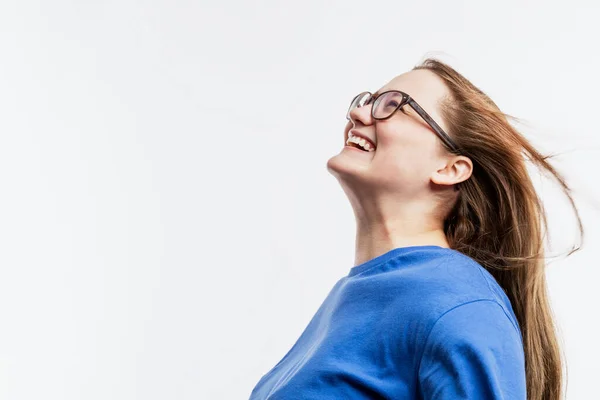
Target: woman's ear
x,y
456,169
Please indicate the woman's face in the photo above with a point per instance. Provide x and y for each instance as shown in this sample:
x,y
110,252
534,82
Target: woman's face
x,y
407,150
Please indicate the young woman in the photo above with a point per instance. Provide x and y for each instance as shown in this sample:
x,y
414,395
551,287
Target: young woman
x,y
447,296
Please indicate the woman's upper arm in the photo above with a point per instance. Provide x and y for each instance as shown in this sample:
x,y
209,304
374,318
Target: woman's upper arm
x,y
473,351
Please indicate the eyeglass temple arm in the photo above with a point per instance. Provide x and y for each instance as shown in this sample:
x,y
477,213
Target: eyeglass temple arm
x,y
443,135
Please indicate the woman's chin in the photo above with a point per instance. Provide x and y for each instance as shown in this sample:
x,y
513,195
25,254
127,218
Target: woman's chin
x,y
349,160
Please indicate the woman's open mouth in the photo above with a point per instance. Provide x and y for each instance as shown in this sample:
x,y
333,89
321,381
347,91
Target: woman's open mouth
x,y
359,143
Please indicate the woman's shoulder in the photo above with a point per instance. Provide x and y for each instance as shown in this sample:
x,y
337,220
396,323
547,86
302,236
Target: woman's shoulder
x,y
481,278
455,280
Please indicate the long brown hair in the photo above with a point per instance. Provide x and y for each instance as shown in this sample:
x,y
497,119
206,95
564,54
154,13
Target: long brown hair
x,y
499,220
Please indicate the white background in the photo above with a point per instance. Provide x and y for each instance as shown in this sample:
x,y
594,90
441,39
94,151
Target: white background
x,y
167,223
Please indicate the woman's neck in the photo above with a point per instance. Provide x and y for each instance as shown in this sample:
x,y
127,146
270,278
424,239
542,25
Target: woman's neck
x,y
375,239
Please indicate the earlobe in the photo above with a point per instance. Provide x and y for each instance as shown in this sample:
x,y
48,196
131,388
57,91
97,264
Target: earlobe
x,y
442,177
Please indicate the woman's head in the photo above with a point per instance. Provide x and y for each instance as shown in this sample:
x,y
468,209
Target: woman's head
x,y
481,194
411,164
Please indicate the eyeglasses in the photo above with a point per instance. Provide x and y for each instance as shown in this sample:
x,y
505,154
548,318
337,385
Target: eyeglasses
x,y
387,103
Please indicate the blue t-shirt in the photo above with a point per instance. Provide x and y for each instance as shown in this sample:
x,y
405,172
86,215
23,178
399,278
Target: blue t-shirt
x,y
418,322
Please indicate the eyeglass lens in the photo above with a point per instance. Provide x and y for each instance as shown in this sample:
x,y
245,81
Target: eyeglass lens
x,y
383,107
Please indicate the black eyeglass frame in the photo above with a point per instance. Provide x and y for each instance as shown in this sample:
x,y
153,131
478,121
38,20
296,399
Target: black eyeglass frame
x,y
406,99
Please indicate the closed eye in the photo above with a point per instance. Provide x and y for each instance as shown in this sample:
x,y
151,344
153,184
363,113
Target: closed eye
x,y
394,105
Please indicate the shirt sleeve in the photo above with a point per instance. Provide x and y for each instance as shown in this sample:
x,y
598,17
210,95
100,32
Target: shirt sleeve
x,y
473,351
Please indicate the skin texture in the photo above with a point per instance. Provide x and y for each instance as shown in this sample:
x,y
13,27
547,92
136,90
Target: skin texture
x,y
397,191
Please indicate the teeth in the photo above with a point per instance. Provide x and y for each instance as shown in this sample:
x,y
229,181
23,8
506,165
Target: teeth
x,y
361,142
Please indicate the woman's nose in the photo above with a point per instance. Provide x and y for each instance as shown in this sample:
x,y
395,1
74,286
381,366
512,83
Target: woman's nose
x,y
362,114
